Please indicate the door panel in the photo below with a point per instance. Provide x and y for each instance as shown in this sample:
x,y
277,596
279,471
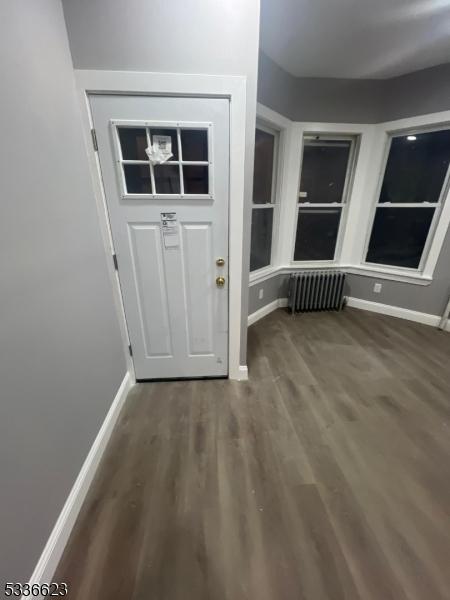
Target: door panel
x,y
145,241
198,267
169,224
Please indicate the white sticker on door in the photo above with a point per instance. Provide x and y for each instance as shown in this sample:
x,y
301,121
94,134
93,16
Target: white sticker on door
x,y
161,149
169,227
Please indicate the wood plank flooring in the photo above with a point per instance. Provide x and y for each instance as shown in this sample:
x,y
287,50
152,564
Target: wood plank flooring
x,y
326,476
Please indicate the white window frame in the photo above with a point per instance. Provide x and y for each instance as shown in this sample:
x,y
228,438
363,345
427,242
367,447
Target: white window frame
x,y
270,121
438,206
343,205
363,226
274,196
345,250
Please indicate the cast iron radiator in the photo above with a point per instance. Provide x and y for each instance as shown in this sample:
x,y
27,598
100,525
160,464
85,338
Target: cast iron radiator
x,y
316,290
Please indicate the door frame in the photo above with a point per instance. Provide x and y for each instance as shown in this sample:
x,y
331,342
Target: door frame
x,y
232,87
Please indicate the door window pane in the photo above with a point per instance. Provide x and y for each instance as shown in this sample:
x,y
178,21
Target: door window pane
x,y
317,231
416,167
167,179
172,133
399,236
195,179
137,179
263,168
324,169
133,142
194,144
261,239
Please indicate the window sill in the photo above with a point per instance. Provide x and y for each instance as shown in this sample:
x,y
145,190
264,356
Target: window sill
x,y
263,274
392,274
364,270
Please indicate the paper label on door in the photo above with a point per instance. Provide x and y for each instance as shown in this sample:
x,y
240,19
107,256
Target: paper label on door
x,y
161,149
169,227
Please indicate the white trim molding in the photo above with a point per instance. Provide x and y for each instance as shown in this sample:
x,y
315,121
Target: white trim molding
x,y
243,373
57,541
397,311
283,126
377,307
365,271
232,87
266,310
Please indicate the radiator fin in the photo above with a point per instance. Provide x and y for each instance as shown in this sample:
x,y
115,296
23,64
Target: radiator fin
x,y
316,290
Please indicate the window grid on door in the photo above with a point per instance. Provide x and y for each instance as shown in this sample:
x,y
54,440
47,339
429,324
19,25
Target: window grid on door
x,y
187,174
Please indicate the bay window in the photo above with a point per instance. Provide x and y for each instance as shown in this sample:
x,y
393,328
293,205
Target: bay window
x,y
368,199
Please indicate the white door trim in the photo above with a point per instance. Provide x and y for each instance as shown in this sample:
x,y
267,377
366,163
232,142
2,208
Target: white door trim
x,y
174,84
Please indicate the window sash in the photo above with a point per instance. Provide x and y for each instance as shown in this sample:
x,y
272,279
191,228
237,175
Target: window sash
x,y
271,207
311,140
330,207
275,166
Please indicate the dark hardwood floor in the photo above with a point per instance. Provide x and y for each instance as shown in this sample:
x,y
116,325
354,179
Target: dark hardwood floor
x,y
325,476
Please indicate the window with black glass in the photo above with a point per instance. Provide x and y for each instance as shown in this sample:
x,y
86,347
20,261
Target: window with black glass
x,y
324,182
185,173
264,200
414,181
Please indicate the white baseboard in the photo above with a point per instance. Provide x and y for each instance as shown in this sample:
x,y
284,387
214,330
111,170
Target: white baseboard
x,y
267,309
397,311
243,373
384,309
56,543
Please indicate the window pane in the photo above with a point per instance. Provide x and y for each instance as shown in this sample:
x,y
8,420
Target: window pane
x,y
416,168
172,133
137,178
261,241
399,236
195,179
133,141
324,168
167,179
194,144
317,230
263,168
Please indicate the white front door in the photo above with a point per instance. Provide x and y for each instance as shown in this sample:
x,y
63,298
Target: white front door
x,y
165,168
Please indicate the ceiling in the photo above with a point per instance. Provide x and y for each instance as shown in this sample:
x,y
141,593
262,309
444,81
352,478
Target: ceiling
x,y
355,38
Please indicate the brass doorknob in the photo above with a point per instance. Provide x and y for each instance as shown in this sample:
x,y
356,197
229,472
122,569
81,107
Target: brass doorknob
x,y
220,262
220,281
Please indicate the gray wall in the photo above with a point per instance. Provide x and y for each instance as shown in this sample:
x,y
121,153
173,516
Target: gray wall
x,y
430,299
366,101
319,99
182,36
61,357
273,288
418,93
352,100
